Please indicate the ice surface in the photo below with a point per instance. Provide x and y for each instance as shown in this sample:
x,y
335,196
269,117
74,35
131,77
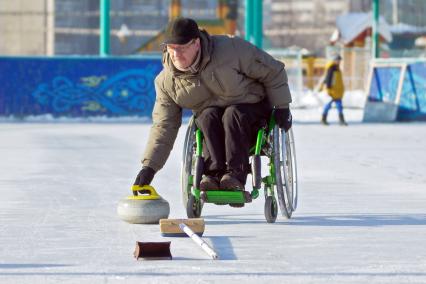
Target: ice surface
x,y
361,215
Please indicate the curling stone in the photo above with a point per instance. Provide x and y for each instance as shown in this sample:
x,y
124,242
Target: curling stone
x,y
145,208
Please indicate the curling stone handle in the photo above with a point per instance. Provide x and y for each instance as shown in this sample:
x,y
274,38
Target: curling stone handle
x,y
146,188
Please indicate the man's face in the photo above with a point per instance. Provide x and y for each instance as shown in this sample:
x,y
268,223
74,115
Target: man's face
x,y
183,55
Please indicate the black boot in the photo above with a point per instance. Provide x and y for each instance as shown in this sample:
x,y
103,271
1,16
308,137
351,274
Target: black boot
x,y
324,119
230,181
209,183
342,120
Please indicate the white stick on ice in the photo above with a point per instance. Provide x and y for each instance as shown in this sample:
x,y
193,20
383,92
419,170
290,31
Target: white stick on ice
x,y
199,241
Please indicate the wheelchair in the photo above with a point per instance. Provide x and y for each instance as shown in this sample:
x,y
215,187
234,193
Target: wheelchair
x,y
273,143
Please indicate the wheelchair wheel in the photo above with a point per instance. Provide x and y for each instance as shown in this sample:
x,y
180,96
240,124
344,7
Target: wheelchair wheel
x,y
193,207
285,170
292,177
271,209
188,162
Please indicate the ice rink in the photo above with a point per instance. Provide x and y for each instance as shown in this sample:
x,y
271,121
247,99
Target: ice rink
x,y
361,215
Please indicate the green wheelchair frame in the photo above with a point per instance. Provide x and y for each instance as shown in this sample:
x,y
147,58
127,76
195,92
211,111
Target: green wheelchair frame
x,y
281,181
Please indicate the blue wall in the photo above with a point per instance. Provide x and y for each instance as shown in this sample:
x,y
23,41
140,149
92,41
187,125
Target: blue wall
x,y
78,86
412,103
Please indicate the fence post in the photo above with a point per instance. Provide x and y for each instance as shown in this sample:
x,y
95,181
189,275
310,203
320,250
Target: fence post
x,y
258,23
104,28
375,29
248,21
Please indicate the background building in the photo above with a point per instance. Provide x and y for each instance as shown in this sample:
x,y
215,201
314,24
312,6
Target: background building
x,y
26,27
65,27
304,23
61,27
310,23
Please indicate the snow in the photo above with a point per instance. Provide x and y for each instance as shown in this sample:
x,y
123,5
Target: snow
x,y
402,28
351,25
311,99
361,215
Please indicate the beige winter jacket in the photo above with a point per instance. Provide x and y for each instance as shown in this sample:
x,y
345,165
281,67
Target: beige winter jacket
x,y
232,71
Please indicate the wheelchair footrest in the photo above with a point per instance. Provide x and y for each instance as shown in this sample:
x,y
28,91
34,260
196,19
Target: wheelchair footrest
x,y
226,196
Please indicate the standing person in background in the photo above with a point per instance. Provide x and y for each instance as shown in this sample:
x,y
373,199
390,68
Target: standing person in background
x,y
333,83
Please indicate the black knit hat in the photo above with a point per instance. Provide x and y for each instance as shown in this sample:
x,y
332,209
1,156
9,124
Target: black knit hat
x,y
181,31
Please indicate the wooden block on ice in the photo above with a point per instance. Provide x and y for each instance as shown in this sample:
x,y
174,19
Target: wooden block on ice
x,y
170,227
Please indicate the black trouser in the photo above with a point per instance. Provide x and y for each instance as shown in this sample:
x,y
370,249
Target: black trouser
x,y
229,133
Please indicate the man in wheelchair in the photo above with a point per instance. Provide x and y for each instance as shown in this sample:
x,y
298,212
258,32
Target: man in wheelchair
x,y
230,85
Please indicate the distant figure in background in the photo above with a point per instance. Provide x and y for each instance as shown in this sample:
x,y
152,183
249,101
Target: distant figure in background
x,y
333,82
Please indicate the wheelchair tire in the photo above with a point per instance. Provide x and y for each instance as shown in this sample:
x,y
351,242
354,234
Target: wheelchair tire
x,y
188,161
193,207
271,209
285,170
292,177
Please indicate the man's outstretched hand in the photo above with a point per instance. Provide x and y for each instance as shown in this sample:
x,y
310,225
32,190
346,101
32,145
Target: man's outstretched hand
x,y
145,176
283,118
